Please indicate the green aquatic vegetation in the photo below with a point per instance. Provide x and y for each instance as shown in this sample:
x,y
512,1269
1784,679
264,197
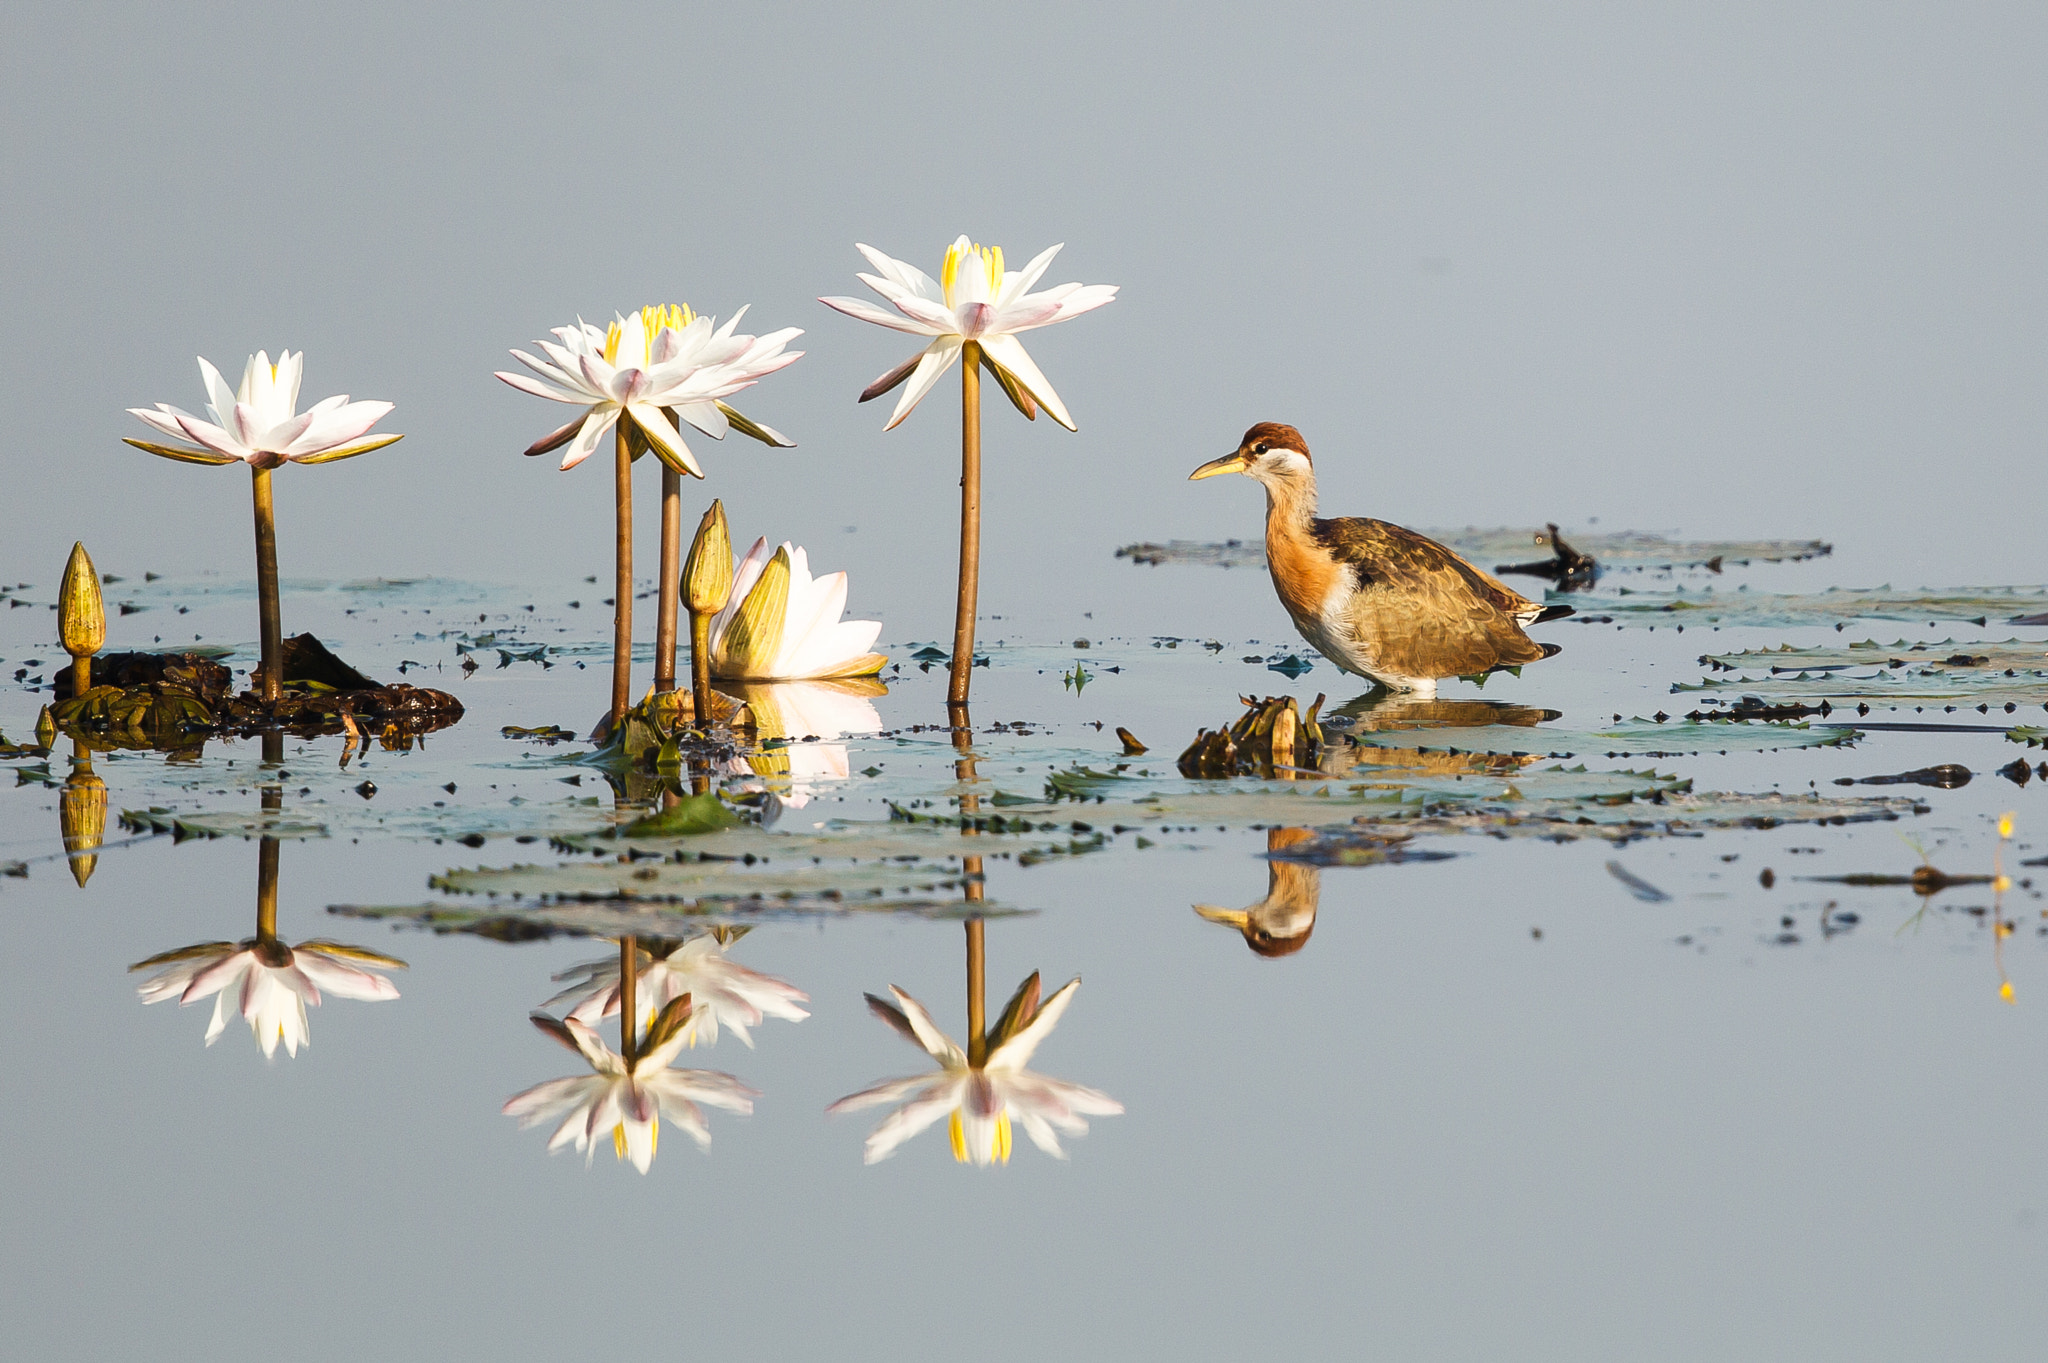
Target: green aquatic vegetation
x,y
664,881
1636,737
1919,686
695,814
1836,606
2033,735
610,918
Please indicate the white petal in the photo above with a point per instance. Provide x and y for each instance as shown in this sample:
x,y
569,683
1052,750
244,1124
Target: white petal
x,y
1008,352
938,358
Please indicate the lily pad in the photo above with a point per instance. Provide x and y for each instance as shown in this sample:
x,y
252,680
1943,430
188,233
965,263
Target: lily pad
x,y
2020,655
669,882
704,813
615,918
1836,606
1917,686
1501,544
2033,735
1636,737
1663,814
233,823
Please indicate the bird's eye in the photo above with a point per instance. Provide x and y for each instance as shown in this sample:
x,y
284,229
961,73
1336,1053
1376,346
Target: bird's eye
x,y
1259,448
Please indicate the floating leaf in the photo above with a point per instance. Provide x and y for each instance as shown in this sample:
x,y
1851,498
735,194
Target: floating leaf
x,y
2033,735
1635,737
1948,655
704,813
670,882
252,823
525,923
1489,546
1976,605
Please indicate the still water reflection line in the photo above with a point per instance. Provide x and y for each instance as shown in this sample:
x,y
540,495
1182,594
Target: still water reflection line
x,y
272,982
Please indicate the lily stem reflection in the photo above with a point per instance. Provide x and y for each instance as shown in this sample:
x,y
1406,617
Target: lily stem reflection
x,y
629,1002
270,625
970,523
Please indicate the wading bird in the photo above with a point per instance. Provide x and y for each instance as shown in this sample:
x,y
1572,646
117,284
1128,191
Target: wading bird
x,y
1375,599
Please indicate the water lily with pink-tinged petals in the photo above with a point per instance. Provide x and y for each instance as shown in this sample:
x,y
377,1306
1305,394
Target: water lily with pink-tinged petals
x,y
979,1102
628,1098
721,990
656,367
974,299
272,983
259,423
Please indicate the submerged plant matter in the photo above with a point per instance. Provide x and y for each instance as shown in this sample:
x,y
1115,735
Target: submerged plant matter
x,y
973,314
259,425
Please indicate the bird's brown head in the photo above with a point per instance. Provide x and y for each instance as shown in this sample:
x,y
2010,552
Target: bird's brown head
x,y
1269,452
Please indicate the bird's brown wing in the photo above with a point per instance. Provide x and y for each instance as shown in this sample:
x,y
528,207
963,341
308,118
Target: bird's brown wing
x,y
1421,608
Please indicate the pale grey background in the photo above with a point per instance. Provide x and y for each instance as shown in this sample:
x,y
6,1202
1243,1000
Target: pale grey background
x,y
1730,270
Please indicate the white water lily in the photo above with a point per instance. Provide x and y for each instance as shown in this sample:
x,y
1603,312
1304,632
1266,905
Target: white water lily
x,y
980,1103
259,424
657,366
627,1098
974,299
780,624
272,983
721,990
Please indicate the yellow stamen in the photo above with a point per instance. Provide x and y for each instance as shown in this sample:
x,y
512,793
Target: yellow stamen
x,y
674,316
988,258
611,343
619,1140
2005,991
2005,825
999,1145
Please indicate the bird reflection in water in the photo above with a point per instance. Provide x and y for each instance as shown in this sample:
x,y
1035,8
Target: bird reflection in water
x,y
271,982
984,1088
629,1092
1279,924
1400,712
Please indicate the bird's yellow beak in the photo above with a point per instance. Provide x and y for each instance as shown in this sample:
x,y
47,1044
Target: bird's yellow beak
x,y
1230,918
1234,462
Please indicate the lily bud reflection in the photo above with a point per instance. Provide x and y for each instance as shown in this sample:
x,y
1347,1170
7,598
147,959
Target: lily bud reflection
x,y
722,991
628,1098
270,982
1279,924
980,1102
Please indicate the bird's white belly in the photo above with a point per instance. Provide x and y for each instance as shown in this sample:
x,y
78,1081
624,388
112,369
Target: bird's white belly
x,y
1331,634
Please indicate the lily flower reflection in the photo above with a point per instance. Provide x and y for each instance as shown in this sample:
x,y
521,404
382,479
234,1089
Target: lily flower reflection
x,y
778,623
628,1097
805,716
979,1101
722,991
272,983
1279,924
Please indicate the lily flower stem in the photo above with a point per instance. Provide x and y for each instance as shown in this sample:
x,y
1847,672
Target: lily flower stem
x,y
977,1017
671,580
270,682
266,890
629,980
970,523
622,594
81,674
700,670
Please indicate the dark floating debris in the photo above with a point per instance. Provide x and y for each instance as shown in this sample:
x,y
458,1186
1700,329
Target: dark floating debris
x,y
1132,747
1272,738
2016,771
1642,889
171,700
1567,567
1925,880
1946,776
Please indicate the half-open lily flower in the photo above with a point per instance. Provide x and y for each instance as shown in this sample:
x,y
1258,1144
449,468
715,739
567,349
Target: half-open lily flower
x,y
272,983
980,1101
259,424
720,990
656,366
975,299
780,624
627,1097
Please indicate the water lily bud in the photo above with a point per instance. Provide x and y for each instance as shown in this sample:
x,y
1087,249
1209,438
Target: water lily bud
x,y
82,816
707,572
81,614
46,729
